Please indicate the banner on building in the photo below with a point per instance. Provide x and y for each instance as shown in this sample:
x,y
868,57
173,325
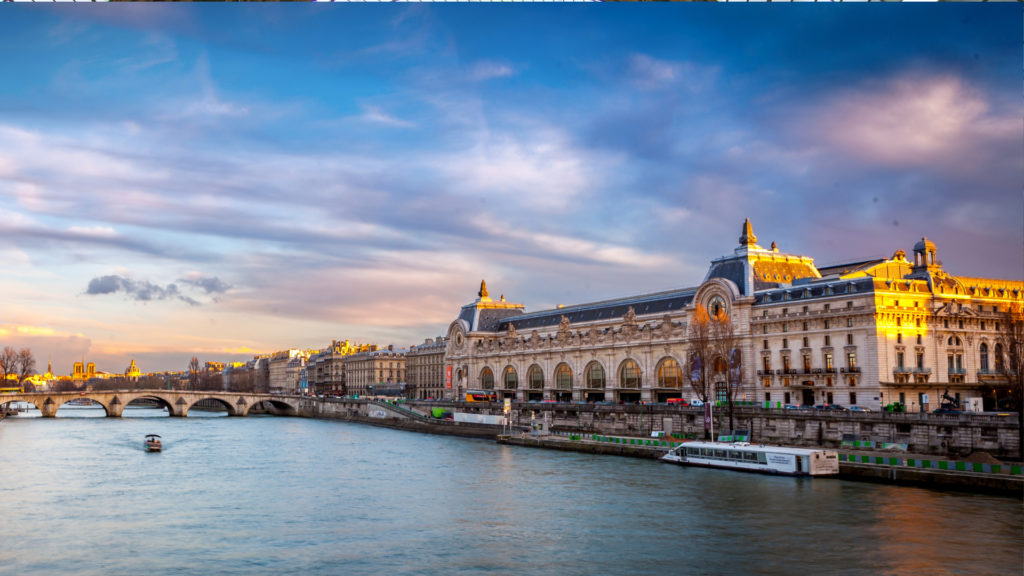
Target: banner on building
x,y
448,377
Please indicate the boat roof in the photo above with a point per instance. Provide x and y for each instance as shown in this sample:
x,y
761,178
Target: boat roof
x,y
754,447
152,435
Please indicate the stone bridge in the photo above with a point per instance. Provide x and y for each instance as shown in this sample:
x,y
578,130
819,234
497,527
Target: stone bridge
x,y
177,402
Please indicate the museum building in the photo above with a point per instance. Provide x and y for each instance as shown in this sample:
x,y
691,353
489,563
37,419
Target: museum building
x,y
867,333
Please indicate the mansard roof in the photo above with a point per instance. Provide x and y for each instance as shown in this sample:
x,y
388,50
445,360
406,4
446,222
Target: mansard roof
x,y
849,267
809,290
644,304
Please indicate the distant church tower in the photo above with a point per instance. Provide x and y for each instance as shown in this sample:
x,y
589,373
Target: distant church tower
x,y
132,373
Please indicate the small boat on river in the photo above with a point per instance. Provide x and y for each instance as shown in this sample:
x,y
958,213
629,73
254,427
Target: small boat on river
x,y
756,458
153,443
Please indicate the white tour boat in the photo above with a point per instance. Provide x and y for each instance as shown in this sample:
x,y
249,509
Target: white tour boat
x,y
756,458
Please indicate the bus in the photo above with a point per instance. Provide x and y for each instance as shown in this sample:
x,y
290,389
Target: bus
x,y
481,396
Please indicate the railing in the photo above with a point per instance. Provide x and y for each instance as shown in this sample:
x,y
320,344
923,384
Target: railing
x,y
932,464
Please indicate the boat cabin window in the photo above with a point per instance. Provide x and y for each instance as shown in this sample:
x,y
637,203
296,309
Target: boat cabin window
x,y
762,458
750,456
719,453
734,454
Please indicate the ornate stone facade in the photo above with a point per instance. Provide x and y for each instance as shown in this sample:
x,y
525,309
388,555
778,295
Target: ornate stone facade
x,y
805,335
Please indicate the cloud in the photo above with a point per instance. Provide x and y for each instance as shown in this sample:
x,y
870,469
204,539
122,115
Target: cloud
x,y
209,104
375,115
487,70
141,290
649,73
209,285
912,120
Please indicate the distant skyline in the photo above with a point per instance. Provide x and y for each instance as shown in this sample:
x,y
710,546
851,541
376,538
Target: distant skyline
x,y
226,180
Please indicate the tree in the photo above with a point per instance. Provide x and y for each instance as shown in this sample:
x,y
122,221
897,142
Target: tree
x,y
25,364
193,374
1010,362
700,349
725,346
8,364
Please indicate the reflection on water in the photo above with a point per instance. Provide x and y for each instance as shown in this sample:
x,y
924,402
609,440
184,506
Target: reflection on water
x,y
265,495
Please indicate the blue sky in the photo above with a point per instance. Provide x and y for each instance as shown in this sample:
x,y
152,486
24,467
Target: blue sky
x,y
223,180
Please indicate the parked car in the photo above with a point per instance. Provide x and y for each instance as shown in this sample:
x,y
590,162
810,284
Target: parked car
x,y
859,409
791,407
678,401
947,411
837,408
696,402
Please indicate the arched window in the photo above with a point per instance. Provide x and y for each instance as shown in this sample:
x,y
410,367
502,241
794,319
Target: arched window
x,y
595,375
721,365
984,357
999,357
669,374
487,379
563,377
629,375
536,377
511,378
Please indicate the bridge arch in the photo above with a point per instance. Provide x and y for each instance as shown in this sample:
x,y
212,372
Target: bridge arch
x,y
176,402
274,406
233,409
160,401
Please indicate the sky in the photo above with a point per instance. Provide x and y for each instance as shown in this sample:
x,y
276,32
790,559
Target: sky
x,y
226,180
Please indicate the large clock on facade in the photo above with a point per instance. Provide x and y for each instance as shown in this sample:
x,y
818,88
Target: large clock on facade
x,y
716,305
458,339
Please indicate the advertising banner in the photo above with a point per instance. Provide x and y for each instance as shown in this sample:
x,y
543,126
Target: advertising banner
x,y
448,377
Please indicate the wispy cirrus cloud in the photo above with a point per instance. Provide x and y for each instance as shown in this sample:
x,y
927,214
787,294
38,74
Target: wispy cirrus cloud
x,y
375,115
648,73
488,70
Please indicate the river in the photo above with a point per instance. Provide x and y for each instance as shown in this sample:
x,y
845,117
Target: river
x,y
267,495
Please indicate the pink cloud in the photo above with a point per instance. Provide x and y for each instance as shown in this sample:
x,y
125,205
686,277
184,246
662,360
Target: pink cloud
x,y
911,120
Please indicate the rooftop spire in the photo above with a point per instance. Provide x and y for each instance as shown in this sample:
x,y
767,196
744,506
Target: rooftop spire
x,y
747,238
483,289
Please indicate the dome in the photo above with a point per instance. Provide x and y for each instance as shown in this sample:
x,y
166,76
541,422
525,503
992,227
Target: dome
x,y
925,245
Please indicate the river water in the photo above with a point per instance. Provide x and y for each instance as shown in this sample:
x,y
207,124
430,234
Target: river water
x,y
266,495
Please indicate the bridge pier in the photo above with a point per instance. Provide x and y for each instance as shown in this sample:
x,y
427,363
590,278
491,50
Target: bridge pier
x,y
49,408
115,408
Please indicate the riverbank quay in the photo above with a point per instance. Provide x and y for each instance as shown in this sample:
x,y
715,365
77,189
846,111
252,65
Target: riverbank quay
x,y
397,416
882,467
939,435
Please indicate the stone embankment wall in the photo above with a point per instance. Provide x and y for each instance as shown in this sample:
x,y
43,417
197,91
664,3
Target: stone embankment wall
x,y
399,417
945,435
923,433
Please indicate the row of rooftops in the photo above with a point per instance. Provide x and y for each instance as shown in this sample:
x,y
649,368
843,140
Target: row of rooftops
x,y
766,275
